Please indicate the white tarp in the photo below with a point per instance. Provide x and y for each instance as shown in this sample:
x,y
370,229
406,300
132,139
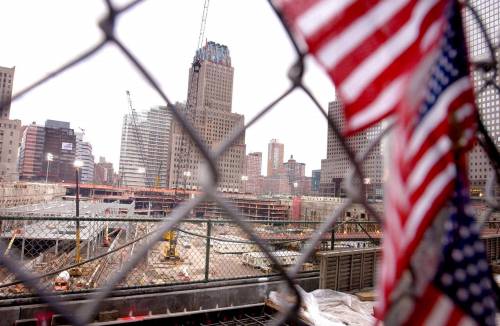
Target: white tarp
x,y
327,307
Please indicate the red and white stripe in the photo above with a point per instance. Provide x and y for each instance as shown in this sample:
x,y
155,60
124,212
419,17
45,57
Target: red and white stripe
x,y
371,49
422,179
367,47
435,308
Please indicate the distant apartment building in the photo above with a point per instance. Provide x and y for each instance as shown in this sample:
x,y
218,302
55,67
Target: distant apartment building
x,y
103,172
145,146
315,180
9,129
60,143
84,154
275,157
209,109
336,167
488,100
253,168
31,153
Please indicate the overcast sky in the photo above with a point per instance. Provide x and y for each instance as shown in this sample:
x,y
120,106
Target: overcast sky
x,y
39,36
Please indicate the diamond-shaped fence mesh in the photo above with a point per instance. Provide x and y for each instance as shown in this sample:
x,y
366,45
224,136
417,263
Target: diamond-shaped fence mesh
x,y
38,253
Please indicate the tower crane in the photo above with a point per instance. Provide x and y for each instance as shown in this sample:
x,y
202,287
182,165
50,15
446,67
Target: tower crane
x,y
138,136
203,23
191,103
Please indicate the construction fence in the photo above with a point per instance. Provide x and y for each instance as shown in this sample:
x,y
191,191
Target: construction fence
x,y
77,254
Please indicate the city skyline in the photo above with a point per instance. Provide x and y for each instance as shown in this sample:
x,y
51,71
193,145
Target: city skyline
x,y
97,87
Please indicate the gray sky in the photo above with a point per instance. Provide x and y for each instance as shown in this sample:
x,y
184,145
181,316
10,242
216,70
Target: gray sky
x,y
39,36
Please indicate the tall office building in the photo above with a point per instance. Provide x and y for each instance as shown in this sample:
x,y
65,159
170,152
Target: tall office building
x,y
31,153
84,154
9,129
336,167
253,168
275,158
6,83
315,180
295,170
209,108
103,172
60,143
144,151
488,100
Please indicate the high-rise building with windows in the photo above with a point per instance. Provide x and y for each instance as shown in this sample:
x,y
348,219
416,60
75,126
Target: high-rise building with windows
x,y
253,167
9,129
103,172
31,153
275,158
209,108
6,83
488,99
84,154
315,180
144,151
60,145
336,167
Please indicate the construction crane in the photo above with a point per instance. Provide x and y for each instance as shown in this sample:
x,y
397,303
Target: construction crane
x,y
192,100
203,23
141,146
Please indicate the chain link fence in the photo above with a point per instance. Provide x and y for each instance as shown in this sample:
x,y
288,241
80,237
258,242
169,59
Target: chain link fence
x,y
126,252
196,250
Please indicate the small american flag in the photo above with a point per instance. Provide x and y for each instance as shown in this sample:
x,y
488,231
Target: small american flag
x,y
369,48
427,154
462,291
376,52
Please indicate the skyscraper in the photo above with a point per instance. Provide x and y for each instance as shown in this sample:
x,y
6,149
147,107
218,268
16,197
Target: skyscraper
x,y
209,108
60,143
144,151
103,172
488,100
253,168
275,157
315,180
31,153
9,129
84,154
6,82
295,170
335,168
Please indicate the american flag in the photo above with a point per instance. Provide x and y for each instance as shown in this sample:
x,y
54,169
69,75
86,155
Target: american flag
x,y
369,48
427,153
375,70
462,291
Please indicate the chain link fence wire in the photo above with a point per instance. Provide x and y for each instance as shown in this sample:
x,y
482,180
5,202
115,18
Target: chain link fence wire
x,y
130,242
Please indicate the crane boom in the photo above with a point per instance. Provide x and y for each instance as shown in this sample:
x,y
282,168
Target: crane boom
x,y
203,23
140,143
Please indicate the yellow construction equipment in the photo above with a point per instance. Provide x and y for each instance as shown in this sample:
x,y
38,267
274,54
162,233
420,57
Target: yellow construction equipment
x,y
169,249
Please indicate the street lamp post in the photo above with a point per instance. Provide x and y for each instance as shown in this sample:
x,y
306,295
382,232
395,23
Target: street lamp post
x,y
77,164
49,158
